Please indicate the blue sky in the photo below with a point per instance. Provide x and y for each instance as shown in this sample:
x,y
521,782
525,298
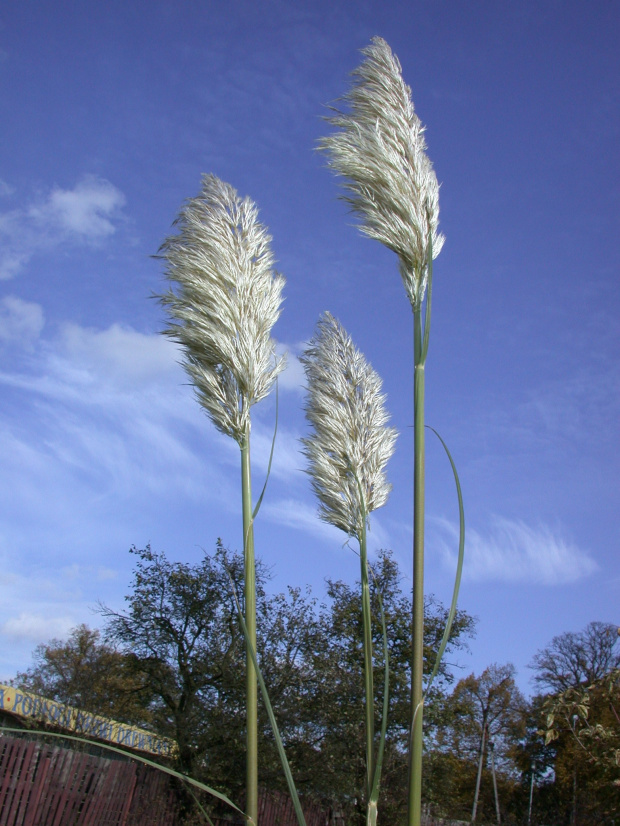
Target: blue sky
x,y
110,113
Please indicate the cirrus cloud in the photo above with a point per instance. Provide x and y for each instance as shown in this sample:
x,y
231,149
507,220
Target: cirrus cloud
x,y
511,551
87,214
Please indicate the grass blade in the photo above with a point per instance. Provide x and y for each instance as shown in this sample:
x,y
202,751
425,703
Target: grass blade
x,y
459,566
274,725
183,777
374,794
273,444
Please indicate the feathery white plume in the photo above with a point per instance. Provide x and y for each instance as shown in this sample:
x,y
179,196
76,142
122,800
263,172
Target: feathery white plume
x,y
380,148
227,301
351,440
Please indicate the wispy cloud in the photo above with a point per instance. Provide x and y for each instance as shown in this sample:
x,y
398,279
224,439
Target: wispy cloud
x,y
297,514
303,516
511,551
5,188
288,460
36,628
21,321
293,376
87,214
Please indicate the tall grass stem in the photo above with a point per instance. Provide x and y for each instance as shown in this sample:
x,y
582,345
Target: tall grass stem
x,y
417,664
251,803
368,674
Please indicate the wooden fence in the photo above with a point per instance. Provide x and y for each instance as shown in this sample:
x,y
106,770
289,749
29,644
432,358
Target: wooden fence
x,y
49,785
276,809
43,785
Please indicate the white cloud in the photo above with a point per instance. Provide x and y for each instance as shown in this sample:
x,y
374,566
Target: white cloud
x,y
104,574
288,461
20,321
86,210
378,538
293,376
36,628
119,354
106,417
512,551
5,189
293,513
86,214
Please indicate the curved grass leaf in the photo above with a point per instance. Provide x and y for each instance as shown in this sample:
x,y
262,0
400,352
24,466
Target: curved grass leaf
x,y
274,725
273,444
179,775
374,794
459,566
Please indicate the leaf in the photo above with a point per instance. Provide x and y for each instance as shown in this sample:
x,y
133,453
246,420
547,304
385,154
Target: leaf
x,y
138,757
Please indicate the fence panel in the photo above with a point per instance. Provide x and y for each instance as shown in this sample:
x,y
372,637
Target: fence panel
x,y
43,785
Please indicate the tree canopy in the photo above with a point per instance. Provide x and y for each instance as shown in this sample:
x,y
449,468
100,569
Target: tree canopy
x,y
575,658
173,660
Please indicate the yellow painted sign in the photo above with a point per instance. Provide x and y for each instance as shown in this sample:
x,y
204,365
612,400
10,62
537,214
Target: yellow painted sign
x,y
29,705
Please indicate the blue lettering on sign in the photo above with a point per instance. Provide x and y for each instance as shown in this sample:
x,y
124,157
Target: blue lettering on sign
x,y
19,698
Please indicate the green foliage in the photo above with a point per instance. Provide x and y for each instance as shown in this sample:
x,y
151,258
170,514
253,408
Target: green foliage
x,y
584,721
182,634
335,710
480,710
576,748
184,649
573,659
89,674
182,630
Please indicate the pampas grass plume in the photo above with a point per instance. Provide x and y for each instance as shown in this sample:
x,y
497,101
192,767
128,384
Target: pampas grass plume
x,y
226,301
351,441
380,148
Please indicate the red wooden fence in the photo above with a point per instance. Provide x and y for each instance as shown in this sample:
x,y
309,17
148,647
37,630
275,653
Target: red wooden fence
x,y
43,785
48,785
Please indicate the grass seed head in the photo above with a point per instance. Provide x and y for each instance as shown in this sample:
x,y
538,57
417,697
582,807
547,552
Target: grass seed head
x,y
224,299
380,149
351,441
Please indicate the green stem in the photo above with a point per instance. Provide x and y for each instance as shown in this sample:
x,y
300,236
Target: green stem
x,y
368,676
417,664
251,802
274,725
374,795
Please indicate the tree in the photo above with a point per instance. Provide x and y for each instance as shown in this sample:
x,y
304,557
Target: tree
x,y
182,630
89,674
578,725
572,659
181,645
585,720
486,710
579,720
336,702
